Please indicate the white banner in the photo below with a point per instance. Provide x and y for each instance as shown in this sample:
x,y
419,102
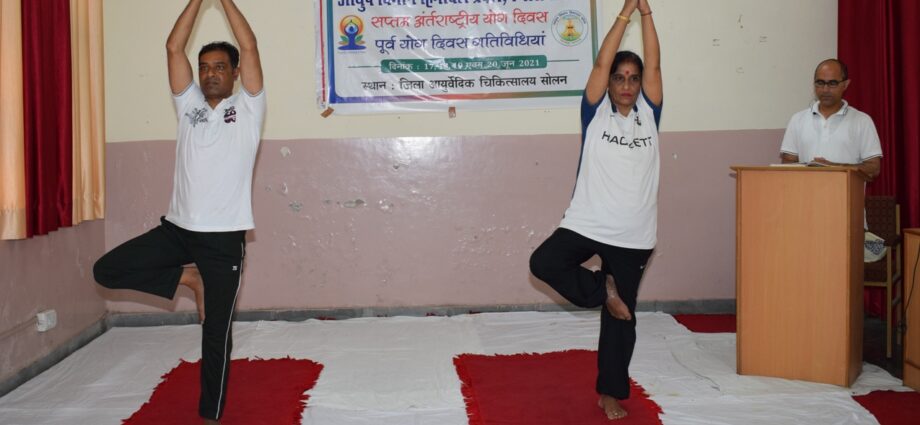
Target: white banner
x,y
397,55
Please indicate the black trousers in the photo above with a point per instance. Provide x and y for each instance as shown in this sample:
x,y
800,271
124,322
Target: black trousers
x,y
558,262
152,263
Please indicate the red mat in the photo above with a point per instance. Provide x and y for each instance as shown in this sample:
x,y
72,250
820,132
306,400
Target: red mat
x,y
892,408
548,389
707,323
260,392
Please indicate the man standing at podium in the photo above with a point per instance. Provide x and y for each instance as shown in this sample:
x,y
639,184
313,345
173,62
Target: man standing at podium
x,y
831,132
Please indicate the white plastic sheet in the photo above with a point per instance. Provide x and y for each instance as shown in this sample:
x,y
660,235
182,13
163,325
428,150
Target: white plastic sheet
x,y
399,370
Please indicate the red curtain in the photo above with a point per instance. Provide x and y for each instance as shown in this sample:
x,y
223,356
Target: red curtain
x,y
47,110
880,42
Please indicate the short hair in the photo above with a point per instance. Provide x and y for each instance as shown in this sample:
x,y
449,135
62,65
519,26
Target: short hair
x,y
626,56
843,67
225,47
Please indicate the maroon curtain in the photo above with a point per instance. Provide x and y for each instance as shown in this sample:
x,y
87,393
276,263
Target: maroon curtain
x,y
880,42
47,110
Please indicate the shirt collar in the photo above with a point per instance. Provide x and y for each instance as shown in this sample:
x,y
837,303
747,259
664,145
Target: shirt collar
x,y
843,109
616,112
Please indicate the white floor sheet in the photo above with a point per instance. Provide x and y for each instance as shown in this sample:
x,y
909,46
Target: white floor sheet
x,y
399,371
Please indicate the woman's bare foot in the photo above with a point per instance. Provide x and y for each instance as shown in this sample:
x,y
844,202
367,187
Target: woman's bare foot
x,y
615,305
211,422
191,277
611,407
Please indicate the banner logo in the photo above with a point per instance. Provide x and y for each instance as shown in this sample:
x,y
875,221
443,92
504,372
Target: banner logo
x,y
351,33
570,27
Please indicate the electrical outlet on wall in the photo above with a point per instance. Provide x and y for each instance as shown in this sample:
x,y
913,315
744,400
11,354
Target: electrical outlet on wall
x,y
47,320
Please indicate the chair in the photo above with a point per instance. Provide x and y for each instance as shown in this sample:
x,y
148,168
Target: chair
x,y
883,216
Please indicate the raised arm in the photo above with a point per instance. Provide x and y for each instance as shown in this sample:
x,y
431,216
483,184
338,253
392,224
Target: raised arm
x,y
600,73
651,50
180,70
250,63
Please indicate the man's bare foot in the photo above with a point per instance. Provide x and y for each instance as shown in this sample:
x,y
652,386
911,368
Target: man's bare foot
x,y
191,277
211,422
611,407
615,305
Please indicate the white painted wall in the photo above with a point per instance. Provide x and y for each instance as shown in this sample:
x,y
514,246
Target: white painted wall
x,y
728,65
738,65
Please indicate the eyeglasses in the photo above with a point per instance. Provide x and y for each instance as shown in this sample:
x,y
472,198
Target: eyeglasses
x,y
831,83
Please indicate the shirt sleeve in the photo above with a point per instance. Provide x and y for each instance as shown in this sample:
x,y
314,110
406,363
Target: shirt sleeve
x,y
192,95
790,139
871,145
255,103
588,110
656,109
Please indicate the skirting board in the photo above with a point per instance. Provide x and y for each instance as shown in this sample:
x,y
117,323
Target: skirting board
x,y
55,356
722,306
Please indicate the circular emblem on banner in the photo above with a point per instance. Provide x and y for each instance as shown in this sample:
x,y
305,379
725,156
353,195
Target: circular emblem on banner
x,y
351,33
570,27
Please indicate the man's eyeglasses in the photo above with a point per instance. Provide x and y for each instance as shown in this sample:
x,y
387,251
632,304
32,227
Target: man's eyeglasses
x,y
832,83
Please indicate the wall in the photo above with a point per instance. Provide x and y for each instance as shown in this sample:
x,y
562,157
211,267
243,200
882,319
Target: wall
x,y
420,209
53,271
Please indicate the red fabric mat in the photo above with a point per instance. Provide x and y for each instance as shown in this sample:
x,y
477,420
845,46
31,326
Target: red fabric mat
x,y
892,408
707,323
260,392
542,389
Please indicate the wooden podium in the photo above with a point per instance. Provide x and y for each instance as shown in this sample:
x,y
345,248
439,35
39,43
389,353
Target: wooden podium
x,y
912,304
799,272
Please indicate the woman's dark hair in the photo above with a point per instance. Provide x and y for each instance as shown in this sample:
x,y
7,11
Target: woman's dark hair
x,y
223,46
626,56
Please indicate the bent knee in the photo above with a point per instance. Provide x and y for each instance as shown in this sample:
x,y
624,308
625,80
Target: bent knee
x,y
540,264
103,273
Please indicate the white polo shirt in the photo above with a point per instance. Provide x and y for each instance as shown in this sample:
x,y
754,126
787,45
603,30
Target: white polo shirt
x,y
847,137
616,192
215,155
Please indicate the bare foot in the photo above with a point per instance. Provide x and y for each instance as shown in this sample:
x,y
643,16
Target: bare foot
x,y
191,277
211,422
615,305
611,407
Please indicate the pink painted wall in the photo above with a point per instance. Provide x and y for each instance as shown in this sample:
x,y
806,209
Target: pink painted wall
x,y
437,221
48,272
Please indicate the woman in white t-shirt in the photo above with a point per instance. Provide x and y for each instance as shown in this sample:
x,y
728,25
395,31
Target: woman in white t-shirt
x,y
614,209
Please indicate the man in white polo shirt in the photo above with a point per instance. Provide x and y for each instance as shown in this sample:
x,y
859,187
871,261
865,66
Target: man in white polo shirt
x,y
211,207
832,132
